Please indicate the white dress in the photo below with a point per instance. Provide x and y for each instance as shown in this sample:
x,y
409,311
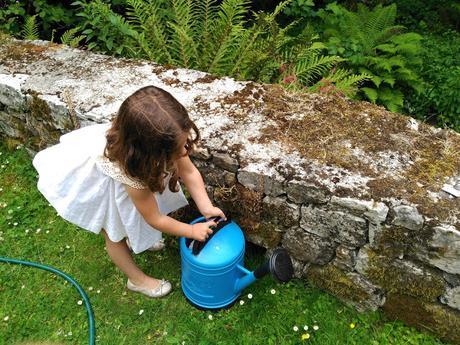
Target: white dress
x,y
88,190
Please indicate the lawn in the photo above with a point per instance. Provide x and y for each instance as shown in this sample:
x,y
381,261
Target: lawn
x,y
37,306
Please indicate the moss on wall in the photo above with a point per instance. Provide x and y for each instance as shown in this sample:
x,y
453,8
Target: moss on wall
x,y
397,279
438,319
337,282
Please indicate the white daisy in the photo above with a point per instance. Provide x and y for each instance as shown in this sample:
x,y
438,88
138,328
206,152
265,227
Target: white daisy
x,y
38,230
295,328
272,291
90,288
141,311
98,291
210,317
15,224
80,302
241,302
6,318
250,296
67,247
305,328
315,327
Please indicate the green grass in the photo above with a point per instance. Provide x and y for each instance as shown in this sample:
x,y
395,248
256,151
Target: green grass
x,y
42,307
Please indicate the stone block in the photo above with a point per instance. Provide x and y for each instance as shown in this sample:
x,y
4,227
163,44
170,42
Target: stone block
x,y
279,211
340,226
350,287
308,247
375,212
303,192
408,217
226,162
442,249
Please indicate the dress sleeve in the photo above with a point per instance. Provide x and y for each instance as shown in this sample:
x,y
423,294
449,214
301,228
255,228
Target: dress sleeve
x,y
113,170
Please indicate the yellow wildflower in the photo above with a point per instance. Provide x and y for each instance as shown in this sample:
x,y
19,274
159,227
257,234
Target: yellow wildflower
x,y
305,336
352,325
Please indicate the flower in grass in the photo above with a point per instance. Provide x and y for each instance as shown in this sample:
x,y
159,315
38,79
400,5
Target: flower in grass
x,y
23,287
272,291
250,296
210,317
352,325
141,311
38,230
295,328
80,302
15,224
90,288
69,334
6,318
315,327
47,231
1,189
305,336
305,328
98,291
27,231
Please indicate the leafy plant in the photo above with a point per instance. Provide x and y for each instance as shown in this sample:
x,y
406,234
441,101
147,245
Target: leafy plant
x,y
30,31
70,39
208,36
374,45
439,103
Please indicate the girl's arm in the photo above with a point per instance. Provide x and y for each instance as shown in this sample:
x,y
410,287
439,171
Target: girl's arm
x,y
146,204
192,179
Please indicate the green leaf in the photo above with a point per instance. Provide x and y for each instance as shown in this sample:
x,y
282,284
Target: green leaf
x,y
371,94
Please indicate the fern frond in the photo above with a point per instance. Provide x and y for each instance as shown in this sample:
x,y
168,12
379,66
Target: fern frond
x,y
311,66
183,44
70,39
30,31
228,25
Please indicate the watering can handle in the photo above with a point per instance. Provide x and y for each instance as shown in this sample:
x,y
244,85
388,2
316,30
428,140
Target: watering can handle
x,y
198,246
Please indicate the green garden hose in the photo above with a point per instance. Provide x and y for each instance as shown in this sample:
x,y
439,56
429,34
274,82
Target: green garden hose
x,y
92,329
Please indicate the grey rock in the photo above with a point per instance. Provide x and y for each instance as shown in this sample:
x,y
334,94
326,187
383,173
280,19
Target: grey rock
x,y
225,162
279,211
251,180
201,153
273,186
345,257
452,297
408,217
308,247
443,249
452,279
375,296
305,192
343,227
375,212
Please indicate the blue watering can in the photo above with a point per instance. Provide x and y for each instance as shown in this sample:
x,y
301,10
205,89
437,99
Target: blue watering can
x,y
213,272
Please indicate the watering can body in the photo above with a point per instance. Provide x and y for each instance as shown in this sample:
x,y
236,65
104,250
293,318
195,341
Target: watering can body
x,y
214,277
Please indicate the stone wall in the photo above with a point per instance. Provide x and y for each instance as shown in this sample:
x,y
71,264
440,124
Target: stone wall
x,y
354,192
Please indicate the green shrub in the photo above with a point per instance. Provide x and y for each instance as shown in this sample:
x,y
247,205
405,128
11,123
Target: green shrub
x,y
50,16
372,44
213,37
439,103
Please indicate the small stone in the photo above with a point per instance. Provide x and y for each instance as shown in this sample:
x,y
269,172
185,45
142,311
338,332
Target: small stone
x,y
408,217
226,162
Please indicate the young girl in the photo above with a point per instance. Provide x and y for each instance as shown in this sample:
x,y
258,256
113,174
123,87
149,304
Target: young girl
x,y
121,179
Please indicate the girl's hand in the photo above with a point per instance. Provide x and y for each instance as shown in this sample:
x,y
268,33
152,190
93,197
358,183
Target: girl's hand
x,y
214,212
201,231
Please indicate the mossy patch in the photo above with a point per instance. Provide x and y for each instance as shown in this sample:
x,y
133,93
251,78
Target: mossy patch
x,y
331,129
435,318
337,282
397,279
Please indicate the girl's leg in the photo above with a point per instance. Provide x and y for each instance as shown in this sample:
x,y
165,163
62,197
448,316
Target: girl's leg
x,y
121,257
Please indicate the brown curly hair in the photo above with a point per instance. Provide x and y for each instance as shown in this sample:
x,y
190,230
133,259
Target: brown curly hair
x,y
146,135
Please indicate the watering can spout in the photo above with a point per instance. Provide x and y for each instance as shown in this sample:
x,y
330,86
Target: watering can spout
x,y
279,265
